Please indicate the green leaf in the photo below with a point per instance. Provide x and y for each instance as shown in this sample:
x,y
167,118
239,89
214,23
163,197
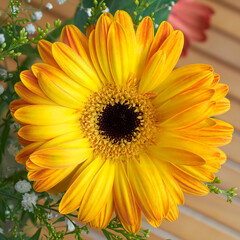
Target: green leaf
x,y
55,34
36,235
81,16
2,237
61,219
160,10
106,234
3,207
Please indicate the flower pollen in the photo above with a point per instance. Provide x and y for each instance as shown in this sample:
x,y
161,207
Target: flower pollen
x,y
118,122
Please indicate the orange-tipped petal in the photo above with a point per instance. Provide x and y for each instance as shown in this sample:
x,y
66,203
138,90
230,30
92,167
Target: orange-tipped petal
x,y
118,54
56,157
75,39
100,188
76,191
45,51
164,30
75,67
103,218
144,36
46,115
148,189
124,200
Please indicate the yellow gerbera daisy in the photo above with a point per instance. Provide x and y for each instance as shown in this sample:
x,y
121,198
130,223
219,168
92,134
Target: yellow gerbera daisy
x,y
107,119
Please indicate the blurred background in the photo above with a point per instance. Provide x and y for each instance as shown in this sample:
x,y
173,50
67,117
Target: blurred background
x,y
209,217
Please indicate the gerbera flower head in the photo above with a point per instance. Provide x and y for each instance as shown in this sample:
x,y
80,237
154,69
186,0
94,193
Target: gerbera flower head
x,y
108,121
193,19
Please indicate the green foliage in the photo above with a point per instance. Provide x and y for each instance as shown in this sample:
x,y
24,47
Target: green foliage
x,y
158,10
115,231
229,193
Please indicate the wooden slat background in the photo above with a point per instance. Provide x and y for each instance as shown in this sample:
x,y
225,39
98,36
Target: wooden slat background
x,y
209,217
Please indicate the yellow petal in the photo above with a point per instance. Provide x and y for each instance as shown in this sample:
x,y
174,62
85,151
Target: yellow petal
x,y
76,191
221,91
41,133
45,51
219,134
63,140
126,22
177,156
103,218
173,140
202,173
75,67
118,54
124,201
76,40
59,87
164,30
31,83
171,186
173,211
172,46
221,107
100,188
31,97
94,57
100,45
189,184
153,72
24,153
148,189
190,116
144,36
182,102
54,178
60,157
46,115
183,79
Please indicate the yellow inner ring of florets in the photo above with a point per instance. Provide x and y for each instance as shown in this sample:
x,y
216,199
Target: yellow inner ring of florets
x,y
105,146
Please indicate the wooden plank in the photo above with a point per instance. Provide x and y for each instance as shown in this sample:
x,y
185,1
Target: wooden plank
x,y
193,225
232,149
221,47
230,176
233,4
231,18
216,207
233,115
228,74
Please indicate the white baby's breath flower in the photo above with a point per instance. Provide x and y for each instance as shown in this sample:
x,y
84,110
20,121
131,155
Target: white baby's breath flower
x,y
1,89
30,28
49,6
55,197
60,2
2,38
156,25
106,10
172,3
49,215
28,1
14,9
37,15
23,186
1,230
13,149
3,72
89,12
29,200
70,226
169,8
15,126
